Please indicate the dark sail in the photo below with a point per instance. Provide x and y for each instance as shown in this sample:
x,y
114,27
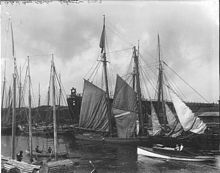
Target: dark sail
x,y
156,127
93,114
125,109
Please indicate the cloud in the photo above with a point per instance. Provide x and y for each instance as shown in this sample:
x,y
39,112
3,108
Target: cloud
x,y
188,38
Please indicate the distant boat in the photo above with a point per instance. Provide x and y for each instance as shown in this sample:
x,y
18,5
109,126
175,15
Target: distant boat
x,y
167,153
13,163
47,154
55,153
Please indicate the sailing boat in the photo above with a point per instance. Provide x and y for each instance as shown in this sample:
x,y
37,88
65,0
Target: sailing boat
x,y
181,126
47,153
98,114
189,122
11,163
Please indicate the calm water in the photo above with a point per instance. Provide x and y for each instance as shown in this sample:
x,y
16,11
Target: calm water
x,y
108,158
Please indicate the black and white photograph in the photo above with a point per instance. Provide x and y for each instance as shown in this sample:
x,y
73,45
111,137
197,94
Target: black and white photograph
x,y
106,86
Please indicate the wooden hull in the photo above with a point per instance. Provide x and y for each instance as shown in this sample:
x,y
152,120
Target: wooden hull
x,y
112,140
46,154
199,142
48,131
178,157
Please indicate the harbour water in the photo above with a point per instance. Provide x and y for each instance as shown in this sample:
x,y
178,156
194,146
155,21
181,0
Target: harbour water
x,y
108,158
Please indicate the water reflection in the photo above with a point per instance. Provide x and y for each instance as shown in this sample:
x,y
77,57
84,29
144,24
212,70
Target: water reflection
x,y
106,158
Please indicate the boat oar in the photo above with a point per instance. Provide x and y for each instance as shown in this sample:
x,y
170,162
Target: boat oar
x,y
94,169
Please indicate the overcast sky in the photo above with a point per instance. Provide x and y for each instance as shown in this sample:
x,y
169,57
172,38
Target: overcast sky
x,y
189,39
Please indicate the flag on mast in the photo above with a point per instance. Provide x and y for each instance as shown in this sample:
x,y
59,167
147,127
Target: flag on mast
x,y
102,40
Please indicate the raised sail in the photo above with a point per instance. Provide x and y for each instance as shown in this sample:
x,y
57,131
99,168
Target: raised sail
x,y
155,122
93,114
173,123
125,109
186,117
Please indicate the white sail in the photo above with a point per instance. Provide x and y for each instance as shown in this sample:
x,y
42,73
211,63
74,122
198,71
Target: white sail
x,y
171,119
187,118
174,124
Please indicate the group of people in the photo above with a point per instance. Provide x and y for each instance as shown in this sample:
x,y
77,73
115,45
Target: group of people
x,y
20,154
39,151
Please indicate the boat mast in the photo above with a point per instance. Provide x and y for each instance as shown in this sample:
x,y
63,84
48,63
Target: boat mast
x,y
140,113
3,89
103,52
14,97
160,87
134,77
54,109
39,95
60,91
19,92
29,110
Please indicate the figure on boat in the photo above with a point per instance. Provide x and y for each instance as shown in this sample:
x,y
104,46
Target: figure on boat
x,y
20,156
37,149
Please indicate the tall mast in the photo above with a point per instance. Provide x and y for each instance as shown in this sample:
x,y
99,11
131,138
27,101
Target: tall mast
x,y
3,89
39,95
140,113
29,110
9,98
103,52
160,87
48,96
19,91
14,97
134,76
60,91
54,109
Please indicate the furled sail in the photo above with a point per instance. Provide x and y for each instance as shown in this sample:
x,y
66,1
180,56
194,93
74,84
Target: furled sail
x,y
173,123
93,113
124,109
155,122
187,118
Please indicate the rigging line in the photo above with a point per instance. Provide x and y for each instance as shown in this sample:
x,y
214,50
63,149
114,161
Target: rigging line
x,y
95,72
148,66
126,41
116,51
175,86
185,81
150,55
60,85
102,78
58,80
145,85
90,68
112,78
130,66
40,55
153,69
97,66
150,82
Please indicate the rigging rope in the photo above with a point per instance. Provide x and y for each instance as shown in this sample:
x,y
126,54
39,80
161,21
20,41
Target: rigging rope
x,y
119,35
185,81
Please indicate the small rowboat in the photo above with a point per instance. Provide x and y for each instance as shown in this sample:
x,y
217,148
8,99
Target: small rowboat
x,y
46,154
169,154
